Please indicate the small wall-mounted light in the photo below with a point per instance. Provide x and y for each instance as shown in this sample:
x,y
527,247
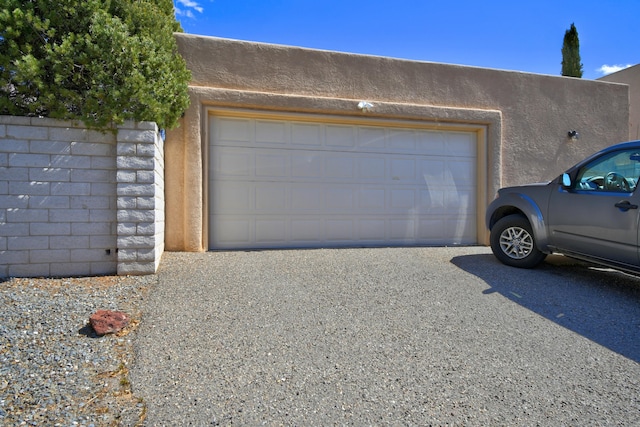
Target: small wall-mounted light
x,y
365,106
573,135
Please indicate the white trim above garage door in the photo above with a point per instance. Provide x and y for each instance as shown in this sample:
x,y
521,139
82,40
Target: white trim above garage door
x,y
292,182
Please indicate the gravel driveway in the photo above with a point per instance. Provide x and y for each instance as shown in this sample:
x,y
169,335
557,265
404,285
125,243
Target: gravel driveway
x,y
391,336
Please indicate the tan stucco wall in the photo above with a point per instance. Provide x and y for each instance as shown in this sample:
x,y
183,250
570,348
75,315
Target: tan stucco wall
x,y
630,76
526,117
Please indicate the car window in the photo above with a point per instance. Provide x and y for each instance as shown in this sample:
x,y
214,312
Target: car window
x,y
618,171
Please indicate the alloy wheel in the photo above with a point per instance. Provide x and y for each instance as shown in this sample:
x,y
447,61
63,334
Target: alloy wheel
x,y
516,242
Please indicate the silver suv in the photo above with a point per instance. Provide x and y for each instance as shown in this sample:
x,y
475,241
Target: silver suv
x,y
590,212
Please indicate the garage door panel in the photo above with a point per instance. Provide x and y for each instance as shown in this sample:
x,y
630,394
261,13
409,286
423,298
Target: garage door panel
x,y
432,200
371,138
231,162
271,165
403,170
432,170
271,131
306,230
340,166
372,199
431,143
270,198
403,200
372,168
372,230
239,233
232,197
459,228
270,231
447,229
448,171
450,201
459,201
306,165
233,130
307,198
460,171
339,136
401,140
306,134
277,183
458,143
339,230
341,199
432,228
402,230
232,232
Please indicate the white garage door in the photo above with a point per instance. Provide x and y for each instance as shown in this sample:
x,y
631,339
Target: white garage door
x,y
292,183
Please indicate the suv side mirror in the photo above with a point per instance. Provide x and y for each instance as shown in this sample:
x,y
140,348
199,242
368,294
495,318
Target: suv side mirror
x,y
566,180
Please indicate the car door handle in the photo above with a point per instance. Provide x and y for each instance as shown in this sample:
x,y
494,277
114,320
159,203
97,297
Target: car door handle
x,y
625,205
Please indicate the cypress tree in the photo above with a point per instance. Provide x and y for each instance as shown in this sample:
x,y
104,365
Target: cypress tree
x,y
571,65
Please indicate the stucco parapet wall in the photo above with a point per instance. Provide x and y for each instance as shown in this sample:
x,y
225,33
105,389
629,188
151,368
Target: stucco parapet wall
x,y
631,77
255,66
306,104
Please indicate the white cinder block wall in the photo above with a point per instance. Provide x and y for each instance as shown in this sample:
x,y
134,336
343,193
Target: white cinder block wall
x,y
79,202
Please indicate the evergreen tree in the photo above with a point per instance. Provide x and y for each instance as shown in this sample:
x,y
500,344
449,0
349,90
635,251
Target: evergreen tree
x,y
99,61
571,65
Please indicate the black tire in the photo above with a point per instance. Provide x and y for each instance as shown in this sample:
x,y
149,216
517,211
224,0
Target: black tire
x,y
513,243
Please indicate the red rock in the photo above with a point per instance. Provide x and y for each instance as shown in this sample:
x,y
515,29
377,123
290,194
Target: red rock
x,y
108,322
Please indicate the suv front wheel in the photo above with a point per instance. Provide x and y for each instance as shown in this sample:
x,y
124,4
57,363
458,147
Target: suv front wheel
x,y
512,242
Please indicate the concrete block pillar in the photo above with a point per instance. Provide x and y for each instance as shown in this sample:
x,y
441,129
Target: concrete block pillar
x,y
140,198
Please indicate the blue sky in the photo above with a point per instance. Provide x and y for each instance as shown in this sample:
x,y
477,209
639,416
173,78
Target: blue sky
x,y
520,35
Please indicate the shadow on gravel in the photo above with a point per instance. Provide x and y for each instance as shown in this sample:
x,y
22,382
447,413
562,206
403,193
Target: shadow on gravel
x,y
88,331
600,304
